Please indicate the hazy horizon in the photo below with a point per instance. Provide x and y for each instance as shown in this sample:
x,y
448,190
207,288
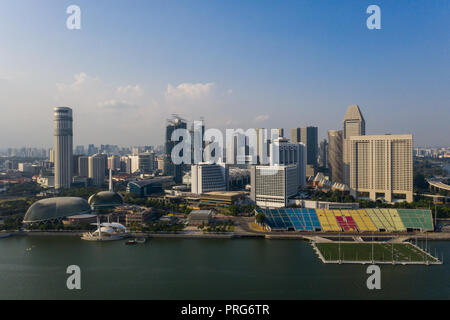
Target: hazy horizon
x,y
237,64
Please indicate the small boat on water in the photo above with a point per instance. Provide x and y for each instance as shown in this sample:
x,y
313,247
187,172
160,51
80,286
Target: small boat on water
x,y
135,241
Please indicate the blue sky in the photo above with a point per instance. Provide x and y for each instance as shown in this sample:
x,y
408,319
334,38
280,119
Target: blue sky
x,y
236,63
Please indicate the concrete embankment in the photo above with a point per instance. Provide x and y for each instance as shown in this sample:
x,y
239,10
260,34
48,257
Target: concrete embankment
x,y
432,236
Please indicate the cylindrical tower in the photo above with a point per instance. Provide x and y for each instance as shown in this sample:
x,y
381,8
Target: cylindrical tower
x,y
63,156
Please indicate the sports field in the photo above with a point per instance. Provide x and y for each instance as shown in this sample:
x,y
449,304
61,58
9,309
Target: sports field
x,y
400,252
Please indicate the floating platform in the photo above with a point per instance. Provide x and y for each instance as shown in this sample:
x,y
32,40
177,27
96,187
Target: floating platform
x,y
403,253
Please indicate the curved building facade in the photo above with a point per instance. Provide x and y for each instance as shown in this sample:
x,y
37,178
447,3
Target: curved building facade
x,y
63,151
54,209
105,200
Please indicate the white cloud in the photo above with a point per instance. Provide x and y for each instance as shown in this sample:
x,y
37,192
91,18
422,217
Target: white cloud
x,y
117,104
190,90
262,118
130,90
80,80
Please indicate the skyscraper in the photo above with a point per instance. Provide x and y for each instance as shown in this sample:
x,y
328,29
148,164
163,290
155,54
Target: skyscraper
x,y
284,153
354,125
308,136
63,154
323,154
97,169
172,169
83,166
335,155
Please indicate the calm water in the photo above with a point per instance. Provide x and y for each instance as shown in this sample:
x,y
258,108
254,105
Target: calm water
x,y
201,269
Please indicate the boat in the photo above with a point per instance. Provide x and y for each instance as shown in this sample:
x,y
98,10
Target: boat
x,y
135,241
140,240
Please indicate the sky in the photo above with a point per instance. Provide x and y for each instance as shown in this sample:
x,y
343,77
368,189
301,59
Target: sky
x,y
238,64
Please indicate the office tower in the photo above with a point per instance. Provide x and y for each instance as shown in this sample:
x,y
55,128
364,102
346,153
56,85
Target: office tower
x,y
146,162
51,155
239,149
92,150
381,164
309,137
208,177
63,134
79,150
289,153
263,139
280,132
97,169
354,125
323,154
272,186
75,164
335,155
83,166
172,169
162,162
114,163
125,165
197,133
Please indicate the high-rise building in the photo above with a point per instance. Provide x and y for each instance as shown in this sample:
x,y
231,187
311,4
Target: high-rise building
x,y
125,165
114,163
97,169
354,125
172,169
289,153
146,162
323,154
79,150
63,134
197,133
208,177
83,166
272,186
309,137
335,155
92,150
382,164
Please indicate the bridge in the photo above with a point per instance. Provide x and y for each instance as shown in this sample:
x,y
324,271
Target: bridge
x,y
438,185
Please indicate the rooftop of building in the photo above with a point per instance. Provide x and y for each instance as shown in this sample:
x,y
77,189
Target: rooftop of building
x,y
353,113
56,208
105,199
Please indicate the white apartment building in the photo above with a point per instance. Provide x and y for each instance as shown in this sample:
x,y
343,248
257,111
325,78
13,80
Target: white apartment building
x,y
208,177
382,164
272,186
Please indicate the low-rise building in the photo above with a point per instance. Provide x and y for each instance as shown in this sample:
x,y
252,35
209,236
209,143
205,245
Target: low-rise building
x,y
199,217
138,217
222,198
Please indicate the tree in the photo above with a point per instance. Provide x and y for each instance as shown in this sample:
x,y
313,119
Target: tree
x,y
260,218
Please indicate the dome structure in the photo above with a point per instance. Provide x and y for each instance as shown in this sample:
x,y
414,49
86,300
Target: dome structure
x,y
105,200
54,209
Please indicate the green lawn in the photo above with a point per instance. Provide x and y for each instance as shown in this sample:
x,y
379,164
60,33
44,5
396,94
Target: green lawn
x,y
403,252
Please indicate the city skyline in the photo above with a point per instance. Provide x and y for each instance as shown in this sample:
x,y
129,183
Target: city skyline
x,y
269,68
